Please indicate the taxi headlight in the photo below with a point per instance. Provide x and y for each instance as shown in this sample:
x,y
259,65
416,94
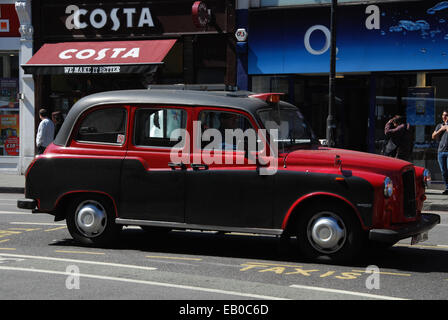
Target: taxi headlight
x,y
426,178
388,187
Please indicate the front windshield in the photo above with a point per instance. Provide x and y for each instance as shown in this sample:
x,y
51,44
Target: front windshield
x,y
291,125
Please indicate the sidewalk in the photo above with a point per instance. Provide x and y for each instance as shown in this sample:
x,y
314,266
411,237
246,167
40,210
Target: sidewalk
x,y
435,200
12,183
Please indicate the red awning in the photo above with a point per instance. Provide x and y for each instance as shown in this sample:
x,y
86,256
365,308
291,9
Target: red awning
x,y
99,57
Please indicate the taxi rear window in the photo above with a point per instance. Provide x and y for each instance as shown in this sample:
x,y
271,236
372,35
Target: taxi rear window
x,y
103,126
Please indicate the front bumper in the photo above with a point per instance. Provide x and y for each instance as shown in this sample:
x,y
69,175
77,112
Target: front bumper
x,y
427,222
26,204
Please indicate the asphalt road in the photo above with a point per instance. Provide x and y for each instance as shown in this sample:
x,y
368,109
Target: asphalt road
x,y
39,260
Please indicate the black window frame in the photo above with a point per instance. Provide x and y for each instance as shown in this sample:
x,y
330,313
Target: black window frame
x,y
158,141
244,116
124,125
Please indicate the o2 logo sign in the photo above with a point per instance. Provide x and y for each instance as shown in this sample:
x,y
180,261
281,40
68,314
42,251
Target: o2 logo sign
x,y
372,23
309,32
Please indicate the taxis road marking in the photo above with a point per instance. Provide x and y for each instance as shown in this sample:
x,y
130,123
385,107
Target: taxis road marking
x,y
287,269
151,283
353,293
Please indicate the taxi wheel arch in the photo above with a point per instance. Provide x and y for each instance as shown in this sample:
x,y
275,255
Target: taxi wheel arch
x,y
327,213
90,219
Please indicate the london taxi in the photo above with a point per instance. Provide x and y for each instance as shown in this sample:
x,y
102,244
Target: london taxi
x,y
115,162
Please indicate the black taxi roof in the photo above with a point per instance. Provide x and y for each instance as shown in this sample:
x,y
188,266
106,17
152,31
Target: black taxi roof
x,y
226,99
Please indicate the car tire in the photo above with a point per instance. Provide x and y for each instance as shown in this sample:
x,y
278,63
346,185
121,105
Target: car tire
x,y
329,233
91,220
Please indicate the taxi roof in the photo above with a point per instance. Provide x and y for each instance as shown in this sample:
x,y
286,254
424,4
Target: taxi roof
x,y
239,100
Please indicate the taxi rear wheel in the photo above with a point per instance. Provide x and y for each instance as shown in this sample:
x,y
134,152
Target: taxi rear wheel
x,y
329,233
91,220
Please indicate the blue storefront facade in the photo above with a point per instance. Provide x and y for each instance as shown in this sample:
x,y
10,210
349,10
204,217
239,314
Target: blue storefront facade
x,y
392,58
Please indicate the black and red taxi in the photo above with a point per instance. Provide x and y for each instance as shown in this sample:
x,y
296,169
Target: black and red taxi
x,y
154,158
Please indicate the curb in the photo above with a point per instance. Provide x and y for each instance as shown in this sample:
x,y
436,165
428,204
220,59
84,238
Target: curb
x,y
434,207
12,190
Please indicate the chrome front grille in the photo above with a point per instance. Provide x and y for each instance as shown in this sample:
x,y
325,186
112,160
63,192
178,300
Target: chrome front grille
x,y
409,203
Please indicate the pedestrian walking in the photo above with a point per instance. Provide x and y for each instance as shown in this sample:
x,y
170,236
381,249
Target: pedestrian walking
x,y
441,135
57,119
400,142
45,131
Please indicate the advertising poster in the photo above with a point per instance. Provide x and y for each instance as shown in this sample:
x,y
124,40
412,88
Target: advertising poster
x,y
9,133
370,37
8,93
420,106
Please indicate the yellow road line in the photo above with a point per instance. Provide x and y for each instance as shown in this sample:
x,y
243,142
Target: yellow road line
x,y
174,258
80,252
271,264
386,273
24,229
6,240
53,229
8,249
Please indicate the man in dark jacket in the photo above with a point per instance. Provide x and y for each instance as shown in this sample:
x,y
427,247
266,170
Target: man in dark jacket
x,y
400,140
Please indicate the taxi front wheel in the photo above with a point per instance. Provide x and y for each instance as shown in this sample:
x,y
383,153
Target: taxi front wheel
x,y
329,232
91,220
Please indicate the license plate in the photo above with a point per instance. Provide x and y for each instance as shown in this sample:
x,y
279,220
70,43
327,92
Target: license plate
x,y
419,238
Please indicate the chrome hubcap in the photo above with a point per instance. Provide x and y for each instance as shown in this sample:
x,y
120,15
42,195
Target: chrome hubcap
x,y
91,218
326,232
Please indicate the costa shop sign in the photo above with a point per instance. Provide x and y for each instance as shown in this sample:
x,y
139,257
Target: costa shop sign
x,y
58,21
114,17
99,57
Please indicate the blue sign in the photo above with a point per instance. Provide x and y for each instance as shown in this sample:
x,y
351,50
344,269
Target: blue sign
x,y
371,37
420,106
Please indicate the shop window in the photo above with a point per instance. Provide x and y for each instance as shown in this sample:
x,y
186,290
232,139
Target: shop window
x,y
103,126
210,59
9,105
391,99
154,127
425,154
173,67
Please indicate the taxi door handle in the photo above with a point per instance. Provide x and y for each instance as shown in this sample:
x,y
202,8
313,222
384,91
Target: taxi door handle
x,y
174,166
199,166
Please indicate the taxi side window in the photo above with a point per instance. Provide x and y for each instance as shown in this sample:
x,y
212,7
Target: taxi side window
x,y
103,126
222,122
154,127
